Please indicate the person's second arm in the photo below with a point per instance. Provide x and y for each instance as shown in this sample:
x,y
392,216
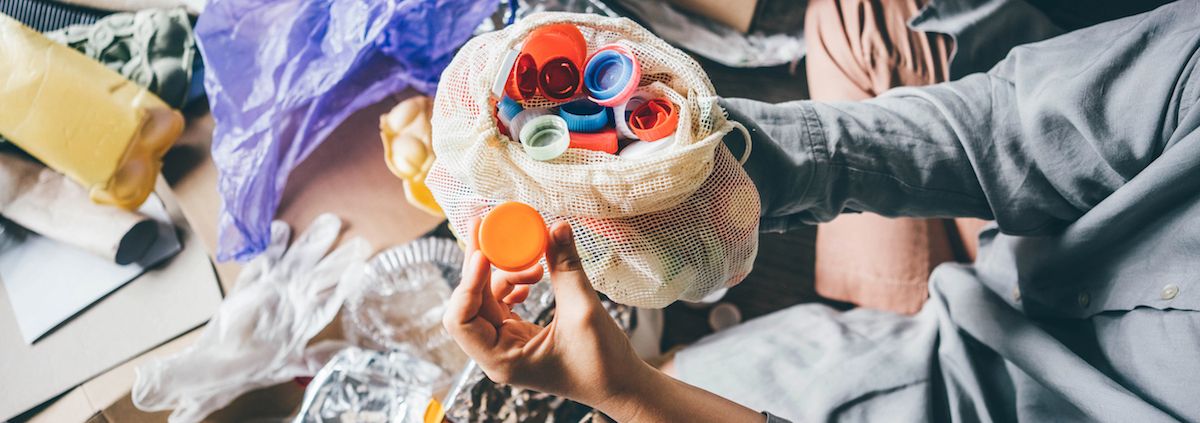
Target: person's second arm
x,y
1035,143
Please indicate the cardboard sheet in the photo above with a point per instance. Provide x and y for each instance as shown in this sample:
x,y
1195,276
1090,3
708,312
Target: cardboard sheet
x,y
155,308
48,282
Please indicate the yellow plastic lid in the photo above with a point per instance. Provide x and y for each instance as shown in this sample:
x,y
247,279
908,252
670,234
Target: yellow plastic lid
x,y
513,236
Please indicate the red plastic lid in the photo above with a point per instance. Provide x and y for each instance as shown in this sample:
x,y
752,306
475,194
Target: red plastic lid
x,y
559,52
513,236
523,80
654,120
603,140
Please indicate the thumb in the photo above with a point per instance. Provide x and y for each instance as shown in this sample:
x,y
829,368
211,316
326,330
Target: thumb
x,y
571,286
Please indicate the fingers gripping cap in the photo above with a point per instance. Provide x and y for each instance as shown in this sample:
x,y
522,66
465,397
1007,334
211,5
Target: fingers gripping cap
x,y
583,115
654,120
612,75
513,236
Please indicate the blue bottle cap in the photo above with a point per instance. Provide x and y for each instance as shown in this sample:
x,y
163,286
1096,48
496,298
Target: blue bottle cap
x,y
583,115
612,75
508,107
607,74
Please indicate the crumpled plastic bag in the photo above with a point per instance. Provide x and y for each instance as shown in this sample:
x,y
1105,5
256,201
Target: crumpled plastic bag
x,y
259,335
281,75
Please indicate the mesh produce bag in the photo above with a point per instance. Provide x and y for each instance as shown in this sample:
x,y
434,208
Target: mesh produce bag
x,y
675,225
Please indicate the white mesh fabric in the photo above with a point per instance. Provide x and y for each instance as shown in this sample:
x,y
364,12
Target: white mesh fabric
x,y
675,225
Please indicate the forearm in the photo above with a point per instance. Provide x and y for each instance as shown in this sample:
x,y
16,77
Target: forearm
x,y
651,396
1035,143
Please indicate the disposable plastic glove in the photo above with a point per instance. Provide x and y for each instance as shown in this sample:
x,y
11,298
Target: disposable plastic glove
x,y
259,335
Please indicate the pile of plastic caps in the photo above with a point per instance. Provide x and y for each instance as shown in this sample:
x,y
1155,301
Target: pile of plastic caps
x,y
599,105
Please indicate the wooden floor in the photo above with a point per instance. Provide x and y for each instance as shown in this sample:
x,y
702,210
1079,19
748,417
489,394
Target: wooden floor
x,y
783,272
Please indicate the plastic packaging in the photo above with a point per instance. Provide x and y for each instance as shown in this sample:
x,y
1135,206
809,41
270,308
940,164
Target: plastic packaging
x,y
677,224
366,386
260,333
282,75
400,302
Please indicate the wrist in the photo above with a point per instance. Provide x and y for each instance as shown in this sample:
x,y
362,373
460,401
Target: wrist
x,y
629,398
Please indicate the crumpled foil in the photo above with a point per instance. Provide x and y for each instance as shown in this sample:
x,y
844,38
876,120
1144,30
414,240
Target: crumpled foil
x,y
364,386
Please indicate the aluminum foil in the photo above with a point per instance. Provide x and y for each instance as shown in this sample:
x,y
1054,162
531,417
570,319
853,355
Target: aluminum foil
x,y
364,386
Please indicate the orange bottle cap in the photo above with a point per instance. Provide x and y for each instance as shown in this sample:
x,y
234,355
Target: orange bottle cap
x,y
603,140
523,79
559,53
513,236
654,120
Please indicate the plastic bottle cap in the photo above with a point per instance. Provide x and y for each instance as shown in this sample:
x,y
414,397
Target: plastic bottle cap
x,y
506,68
559,79
522,81
605,140
508,108
654,120
622,111
519,121
583,115
642,148
545,137
513,236
612,75
558,53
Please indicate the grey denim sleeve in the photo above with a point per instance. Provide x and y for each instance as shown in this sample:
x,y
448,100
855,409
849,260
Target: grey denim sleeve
x,y
1048,133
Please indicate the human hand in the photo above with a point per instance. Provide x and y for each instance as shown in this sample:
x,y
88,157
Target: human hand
x,y
582,354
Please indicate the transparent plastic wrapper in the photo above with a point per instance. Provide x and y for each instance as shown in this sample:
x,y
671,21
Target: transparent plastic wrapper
x,y
399,304
675,225
282,75
366,386
259,336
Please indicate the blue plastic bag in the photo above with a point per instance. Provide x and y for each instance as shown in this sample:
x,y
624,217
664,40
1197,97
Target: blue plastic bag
x,y
282,74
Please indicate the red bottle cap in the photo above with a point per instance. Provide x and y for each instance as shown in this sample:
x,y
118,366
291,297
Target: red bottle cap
x,y
558,52
654,120
523,80
603,140
513,236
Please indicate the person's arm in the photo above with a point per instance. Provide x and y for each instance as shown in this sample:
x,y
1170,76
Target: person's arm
x,y
581,354
1036,142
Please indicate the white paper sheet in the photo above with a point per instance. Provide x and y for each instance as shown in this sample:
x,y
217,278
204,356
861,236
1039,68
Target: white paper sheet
x,y
49,282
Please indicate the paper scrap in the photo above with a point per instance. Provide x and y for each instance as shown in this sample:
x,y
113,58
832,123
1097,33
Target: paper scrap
x,y
49,282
